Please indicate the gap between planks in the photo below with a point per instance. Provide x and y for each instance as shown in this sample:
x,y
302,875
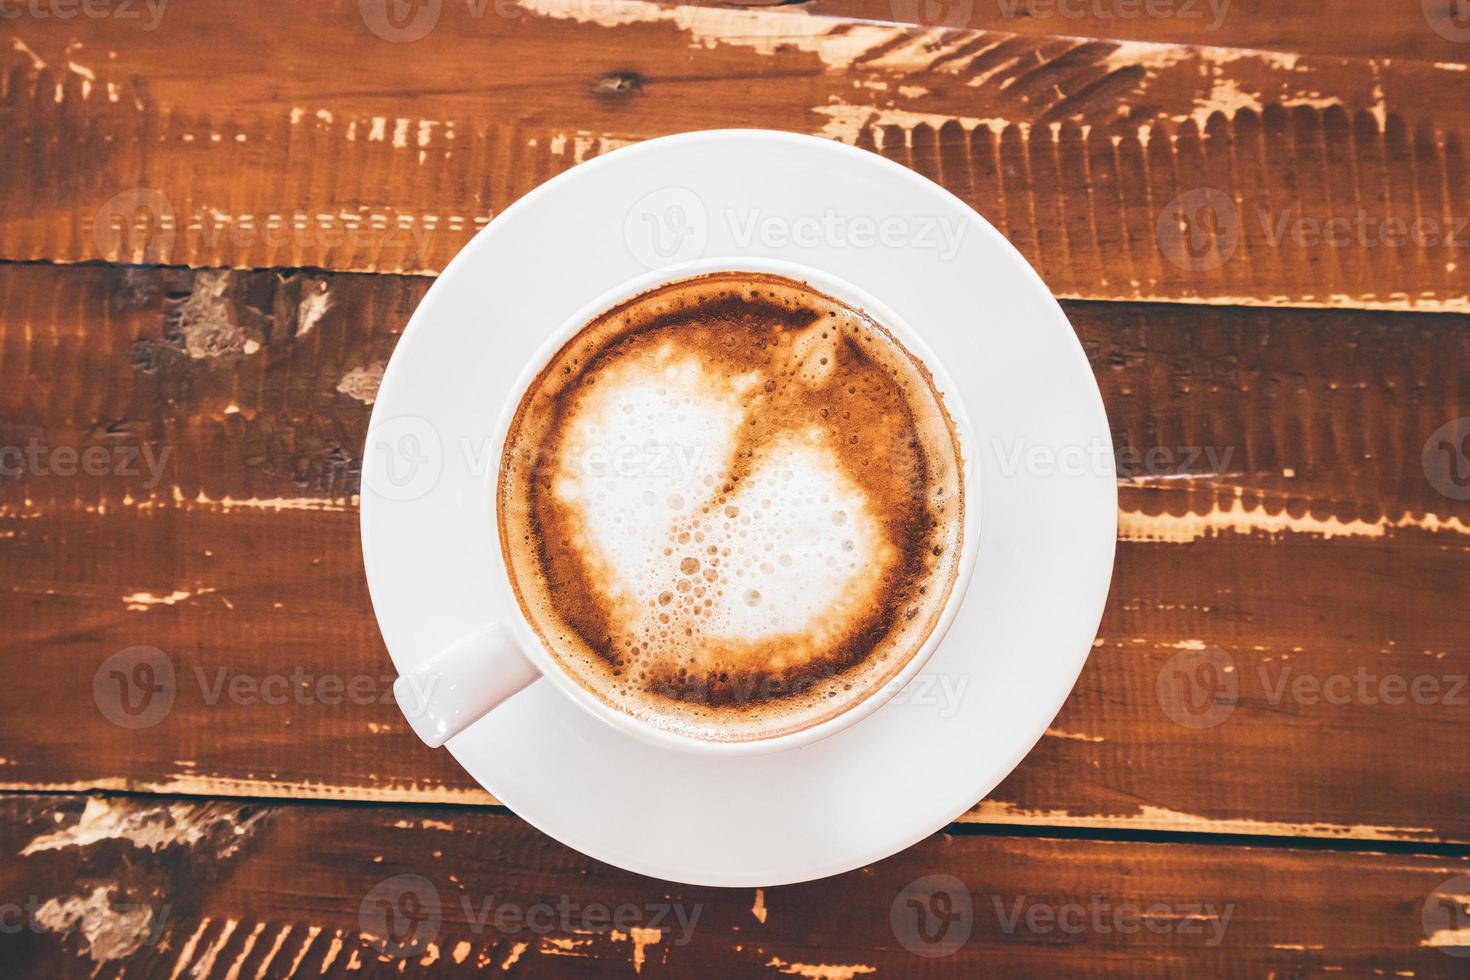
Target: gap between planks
x,y
989,818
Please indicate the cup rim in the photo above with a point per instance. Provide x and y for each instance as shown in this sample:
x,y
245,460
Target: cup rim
x,y
529,641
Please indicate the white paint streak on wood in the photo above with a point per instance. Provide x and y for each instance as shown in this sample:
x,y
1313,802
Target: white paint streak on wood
x,y
759,908
187,953
204,784
311,933
106,931
846,120
643,938
820,971
205,964
515,955
1238,519
1417,304
143,601
765,32
563,945
206,323
1149,817
1073,736
362,383
149,828
313,307
37,62
334,948
234,971
1445,938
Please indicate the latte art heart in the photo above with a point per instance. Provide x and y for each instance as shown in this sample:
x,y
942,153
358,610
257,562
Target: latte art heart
x,y
732,506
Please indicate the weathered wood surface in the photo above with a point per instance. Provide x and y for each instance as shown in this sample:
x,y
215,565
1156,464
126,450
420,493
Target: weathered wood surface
x,y
1275,511
171,887
281,135
1283,655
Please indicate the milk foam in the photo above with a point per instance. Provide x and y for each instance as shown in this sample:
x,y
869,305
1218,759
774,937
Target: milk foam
x,y
643,467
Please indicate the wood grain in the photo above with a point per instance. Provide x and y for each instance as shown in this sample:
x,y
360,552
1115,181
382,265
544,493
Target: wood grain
x,y
287,136
1274,511
171,887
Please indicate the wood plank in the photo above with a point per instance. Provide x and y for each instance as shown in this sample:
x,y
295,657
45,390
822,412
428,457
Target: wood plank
x,y
171,887
1277,178
1284,521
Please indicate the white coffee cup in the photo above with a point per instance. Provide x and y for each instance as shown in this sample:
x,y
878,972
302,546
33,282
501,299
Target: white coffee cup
x,y
470,677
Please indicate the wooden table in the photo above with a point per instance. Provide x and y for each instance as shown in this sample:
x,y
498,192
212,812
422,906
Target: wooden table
x,y
215,219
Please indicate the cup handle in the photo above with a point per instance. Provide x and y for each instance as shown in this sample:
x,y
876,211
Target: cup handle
x,y
462,683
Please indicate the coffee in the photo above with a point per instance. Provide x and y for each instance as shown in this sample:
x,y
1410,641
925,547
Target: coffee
x,y
732,507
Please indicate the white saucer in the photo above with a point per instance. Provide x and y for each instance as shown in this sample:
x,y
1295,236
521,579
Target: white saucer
x,y
1047,490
